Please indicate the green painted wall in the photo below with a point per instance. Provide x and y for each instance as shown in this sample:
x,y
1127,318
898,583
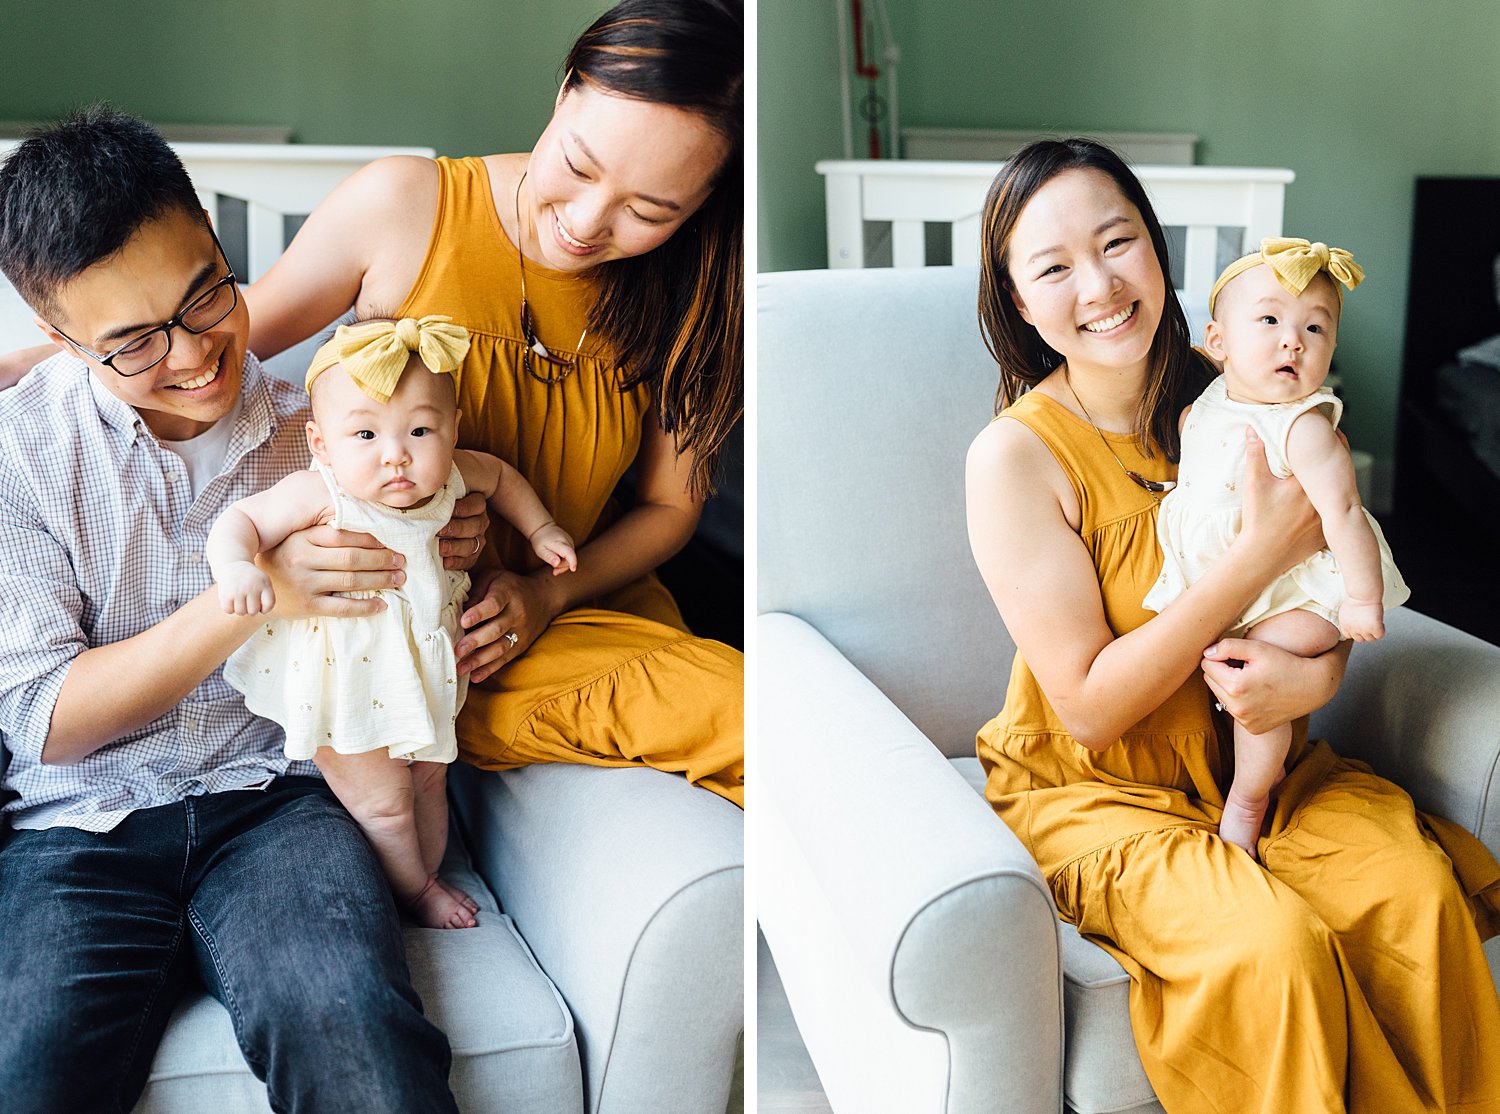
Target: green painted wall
x,y
799,123
1357,97
463,76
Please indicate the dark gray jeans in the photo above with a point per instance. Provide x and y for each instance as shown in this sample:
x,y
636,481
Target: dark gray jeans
x,y
272,897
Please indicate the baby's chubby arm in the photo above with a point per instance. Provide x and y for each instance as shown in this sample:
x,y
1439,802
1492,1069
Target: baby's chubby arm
x,y
253,525
515,500
1320,460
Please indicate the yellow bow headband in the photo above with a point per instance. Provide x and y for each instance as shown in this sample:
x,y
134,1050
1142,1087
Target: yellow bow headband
x,y
375,353
1294,262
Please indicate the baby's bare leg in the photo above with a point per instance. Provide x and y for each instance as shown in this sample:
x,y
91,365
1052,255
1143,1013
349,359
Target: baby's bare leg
x,y
430,789
1259,759
379,793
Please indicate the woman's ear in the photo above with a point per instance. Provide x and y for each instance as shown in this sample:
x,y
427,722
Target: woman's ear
x,y
1020,305
315,443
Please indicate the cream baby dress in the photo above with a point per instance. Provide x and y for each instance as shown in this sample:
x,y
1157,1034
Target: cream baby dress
x,y
385,680
1201,516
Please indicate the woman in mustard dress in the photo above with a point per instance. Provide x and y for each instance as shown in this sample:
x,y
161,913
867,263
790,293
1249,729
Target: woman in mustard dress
x,y
1343,971
601,278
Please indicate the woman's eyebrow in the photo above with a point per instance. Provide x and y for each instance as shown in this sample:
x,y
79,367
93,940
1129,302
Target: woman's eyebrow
x,y
102,341
661,201
1105,227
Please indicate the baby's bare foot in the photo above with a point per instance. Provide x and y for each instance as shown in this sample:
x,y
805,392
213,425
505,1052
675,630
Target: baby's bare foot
x,y
462,898
1241,821
440,906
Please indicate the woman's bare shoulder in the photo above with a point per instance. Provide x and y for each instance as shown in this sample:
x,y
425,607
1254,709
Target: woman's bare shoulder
x,y
396,184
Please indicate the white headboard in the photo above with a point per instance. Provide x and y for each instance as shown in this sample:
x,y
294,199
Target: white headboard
x,y
1211,213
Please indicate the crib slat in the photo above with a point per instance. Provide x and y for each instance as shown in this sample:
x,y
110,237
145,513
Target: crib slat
x,y
966,240
1201,257
908,244
264,229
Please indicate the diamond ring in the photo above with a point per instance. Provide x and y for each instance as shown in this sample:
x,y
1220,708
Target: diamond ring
x,y
512,637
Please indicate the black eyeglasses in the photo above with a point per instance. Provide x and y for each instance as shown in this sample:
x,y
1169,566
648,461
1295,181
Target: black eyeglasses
x,y
150,348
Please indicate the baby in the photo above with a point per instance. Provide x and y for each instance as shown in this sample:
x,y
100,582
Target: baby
x,y
372,700
1275,323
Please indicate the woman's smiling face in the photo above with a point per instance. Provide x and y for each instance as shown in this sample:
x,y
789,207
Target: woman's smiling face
x,y
1083,271
614,177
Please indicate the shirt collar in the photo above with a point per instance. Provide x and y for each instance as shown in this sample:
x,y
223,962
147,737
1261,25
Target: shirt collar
x,y
254,426
119,416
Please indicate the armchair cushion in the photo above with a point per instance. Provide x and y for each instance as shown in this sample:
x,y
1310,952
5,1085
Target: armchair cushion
x,y
512,1036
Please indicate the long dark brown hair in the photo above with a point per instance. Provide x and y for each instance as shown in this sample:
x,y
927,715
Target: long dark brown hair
x,y
675,315
1175,374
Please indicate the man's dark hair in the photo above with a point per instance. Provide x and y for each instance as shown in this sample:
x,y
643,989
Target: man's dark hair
x,y
74,192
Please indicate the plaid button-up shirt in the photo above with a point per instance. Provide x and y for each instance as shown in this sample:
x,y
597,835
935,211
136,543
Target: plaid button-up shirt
x,y
101,539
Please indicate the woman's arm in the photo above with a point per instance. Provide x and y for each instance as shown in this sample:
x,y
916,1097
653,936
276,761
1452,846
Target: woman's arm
x,y
1046,588
1263,686
14,365
657,526
362,246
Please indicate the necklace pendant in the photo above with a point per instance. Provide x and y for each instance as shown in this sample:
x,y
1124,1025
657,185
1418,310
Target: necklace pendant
x,y
540,349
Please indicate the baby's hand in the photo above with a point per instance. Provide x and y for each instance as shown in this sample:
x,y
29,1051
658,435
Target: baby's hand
x,y
245,590
1363,622
553,545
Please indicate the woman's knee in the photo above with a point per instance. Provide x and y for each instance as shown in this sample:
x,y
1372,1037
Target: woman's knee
x,y
1284,941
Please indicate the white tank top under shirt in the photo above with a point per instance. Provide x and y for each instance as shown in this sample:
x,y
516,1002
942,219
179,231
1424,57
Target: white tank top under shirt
x,y
204,455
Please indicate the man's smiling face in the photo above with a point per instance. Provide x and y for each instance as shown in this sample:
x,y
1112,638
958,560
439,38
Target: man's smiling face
x,y
168,262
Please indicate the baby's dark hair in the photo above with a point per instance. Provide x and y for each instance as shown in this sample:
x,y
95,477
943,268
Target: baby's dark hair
x,y
76,191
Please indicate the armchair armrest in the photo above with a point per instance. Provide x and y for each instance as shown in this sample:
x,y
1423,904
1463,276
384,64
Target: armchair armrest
x,y
1422,706
628,885
914,934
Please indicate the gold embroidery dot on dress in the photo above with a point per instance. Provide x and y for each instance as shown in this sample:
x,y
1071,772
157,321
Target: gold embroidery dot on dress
x,y
376,704
365,658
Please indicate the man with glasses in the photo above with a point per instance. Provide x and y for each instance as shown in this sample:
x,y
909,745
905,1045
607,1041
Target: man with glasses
x,y
155,829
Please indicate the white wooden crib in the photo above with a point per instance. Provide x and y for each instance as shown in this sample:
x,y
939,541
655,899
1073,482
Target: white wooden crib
x,y
1212,214
257,194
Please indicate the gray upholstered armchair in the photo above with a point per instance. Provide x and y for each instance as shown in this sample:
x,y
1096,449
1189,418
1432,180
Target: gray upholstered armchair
x,y
918,944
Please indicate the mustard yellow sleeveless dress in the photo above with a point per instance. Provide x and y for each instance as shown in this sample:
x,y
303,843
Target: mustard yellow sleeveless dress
x,y
1345,973
621,682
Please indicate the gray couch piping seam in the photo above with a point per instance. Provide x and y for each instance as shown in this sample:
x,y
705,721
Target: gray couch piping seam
x,y
244,1069
630,963
567,1036
1007,872
1484,796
